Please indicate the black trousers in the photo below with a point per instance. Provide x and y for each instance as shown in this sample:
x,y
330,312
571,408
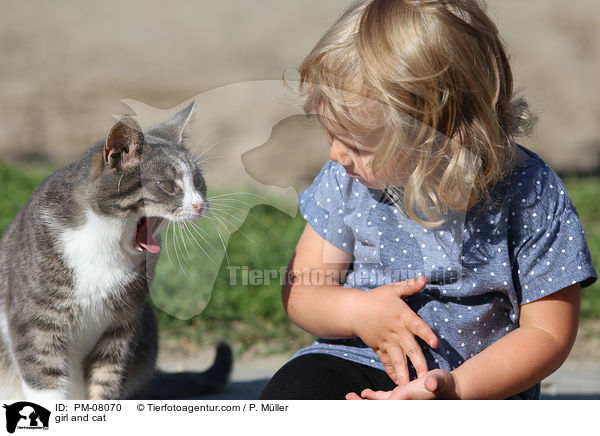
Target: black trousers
x,y
323,377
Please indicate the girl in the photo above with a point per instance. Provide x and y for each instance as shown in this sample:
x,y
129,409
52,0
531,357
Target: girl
x,y
470,249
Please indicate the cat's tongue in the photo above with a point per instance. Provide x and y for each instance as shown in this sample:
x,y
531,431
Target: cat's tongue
x,y
144,235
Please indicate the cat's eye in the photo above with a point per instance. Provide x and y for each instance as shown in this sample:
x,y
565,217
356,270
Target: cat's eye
x,y
169,186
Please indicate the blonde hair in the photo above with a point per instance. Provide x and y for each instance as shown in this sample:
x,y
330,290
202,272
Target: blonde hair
x,y
442,81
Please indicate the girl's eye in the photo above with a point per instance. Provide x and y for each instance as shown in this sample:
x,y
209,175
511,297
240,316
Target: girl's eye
x,y
169,186
346,143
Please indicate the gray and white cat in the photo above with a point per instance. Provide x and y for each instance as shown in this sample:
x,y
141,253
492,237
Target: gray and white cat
x,y
77,261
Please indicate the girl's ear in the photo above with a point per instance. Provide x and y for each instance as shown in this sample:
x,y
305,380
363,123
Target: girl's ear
x,y
124,144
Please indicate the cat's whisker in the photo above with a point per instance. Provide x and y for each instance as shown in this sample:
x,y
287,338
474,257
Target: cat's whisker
x,y
174,243
185,236
229,208
198,230
218,221
209,132
233,217
224,249
167,244
199,245
215,224
237,193
236,227
238,215
207,158
228,196
207,163
176,246
228,202
224,197
215,144
189,257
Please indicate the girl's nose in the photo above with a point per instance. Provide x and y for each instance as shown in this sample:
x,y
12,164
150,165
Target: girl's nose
x,y
339,153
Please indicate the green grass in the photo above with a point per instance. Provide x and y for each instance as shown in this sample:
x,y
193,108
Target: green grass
x,y
17,185
252,317
585,194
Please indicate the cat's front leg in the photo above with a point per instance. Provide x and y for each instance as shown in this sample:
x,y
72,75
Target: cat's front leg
x,y
106,366
40,353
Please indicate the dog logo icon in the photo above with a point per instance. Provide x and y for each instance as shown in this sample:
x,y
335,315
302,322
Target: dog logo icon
x,y
26,415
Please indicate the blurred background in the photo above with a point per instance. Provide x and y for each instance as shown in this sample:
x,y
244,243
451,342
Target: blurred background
x,y
66,65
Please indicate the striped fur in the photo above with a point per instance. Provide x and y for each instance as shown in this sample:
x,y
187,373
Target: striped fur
x,y
75,322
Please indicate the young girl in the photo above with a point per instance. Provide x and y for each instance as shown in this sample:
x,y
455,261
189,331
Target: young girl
x,y
470,249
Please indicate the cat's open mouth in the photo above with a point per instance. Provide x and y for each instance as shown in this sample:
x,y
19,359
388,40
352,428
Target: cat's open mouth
x,y
144,235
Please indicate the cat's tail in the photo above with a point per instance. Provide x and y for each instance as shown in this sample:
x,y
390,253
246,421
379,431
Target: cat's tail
x,y
180,385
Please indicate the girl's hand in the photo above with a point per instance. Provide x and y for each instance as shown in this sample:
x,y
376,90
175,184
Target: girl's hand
x,y
436,385
388,325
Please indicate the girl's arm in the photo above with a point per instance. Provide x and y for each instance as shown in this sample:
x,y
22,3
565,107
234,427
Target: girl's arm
x,y
527,355
511,365
315,300
321,310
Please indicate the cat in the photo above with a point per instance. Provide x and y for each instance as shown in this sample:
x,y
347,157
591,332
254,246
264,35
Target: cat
x,y
76,266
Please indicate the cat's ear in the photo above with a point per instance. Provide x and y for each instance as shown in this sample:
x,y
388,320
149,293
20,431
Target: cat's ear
x,y
173,129
124,144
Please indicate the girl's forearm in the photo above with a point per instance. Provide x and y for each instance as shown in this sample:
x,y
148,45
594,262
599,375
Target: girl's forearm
x,y
526,355
513,364
326,311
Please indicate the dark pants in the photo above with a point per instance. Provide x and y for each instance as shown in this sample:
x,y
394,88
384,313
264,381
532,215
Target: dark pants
x,y
323,377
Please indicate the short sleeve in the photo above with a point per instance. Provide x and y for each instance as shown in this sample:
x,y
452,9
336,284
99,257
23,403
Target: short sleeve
x,y
551,250
323,206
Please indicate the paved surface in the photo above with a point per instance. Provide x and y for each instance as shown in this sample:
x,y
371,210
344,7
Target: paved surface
x,y
577,379
571,382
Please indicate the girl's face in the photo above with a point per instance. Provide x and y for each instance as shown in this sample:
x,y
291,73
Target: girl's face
x,y
356,152
355,156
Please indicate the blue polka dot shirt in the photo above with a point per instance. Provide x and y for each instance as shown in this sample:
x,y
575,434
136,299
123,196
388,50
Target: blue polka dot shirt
x,y
481,265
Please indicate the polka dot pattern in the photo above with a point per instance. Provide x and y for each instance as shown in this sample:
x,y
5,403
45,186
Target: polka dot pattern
x,y
480,266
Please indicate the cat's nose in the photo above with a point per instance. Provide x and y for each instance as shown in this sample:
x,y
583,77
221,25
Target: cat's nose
x,y
198,207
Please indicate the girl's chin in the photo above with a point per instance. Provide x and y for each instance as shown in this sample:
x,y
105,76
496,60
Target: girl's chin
x,y
368,183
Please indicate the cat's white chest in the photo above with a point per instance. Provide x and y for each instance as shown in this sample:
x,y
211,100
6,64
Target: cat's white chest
x,y
97,256
102,268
